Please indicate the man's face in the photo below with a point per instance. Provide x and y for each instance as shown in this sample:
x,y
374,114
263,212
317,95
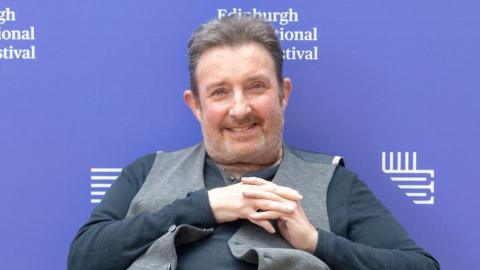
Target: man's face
x,y
239,104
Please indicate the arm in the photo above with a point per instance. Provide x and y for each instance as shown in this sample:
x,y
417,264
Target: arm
x,y
370,238
364,234
111,241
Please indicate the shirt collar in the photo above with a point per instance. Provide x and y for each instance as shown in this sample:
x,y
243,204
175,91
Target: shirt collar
x,y
265,173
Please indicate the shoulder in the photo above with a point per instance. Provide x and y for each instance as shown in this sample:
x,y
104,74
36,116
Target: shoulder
x,y
346,187
142,165
139,169
136,172
143,161
343,181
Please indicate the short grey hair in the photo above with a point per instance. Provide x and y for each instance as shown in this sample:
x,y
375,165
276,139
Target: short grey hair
x,y
232,31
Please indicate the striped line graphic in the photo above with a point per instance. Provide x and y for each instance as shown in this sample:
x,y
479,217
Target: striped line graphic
x,y
101,180
402,169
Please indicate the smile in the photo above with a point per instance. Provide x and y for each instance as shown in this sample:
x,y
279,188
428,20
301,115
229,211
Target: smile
x,y
244,129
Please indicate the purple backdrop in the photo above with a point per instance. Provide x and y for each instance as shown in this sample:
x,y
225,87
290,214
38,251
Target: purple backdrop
x,y
106,83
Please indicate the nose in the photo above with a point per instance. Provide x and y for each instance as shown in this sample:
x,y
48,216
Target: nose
x,y
241,106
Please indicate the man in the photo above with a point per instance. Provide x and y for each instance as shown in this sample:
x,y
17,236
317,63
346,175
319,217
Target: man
x,y
251,202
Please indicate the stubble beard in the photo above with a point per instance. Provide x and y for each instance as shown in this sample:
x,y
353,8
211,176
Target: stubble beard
x,y
267,149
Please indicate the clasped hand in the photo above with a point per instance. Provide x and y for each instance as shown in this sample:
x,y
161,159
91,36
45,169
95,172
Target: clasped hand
x,y
260,201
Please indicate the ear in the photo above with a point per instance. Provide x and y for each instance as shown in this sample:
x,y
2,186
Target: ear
x,y
193,103
287,89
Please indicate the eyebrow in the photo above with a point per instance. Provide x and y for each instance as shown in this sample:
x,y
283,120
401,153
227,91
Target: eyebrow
x,y
259,77
255,77
215,85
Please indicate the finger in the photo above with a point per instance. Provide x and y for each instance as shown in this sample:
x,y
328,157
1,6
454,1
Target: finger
x,y
269,205
266,215
262,194
300,208
282,227
264,224
254,181
286,192
281,223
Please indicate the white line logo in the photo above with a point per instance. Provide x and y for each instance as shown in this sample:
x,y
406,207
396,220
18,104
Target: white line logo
x,y
418,184
101,180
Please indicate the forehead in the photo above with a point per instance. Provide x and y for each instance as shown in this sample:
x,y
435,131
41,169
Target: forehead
x,y
234,64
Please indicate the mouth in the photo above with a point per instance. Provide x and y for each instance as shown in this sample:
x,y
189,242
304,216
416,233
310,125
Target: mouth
x,y
243,129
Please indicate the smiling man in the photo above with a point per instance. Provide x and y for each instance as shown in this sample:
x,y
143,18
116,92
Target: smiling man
x,y
239,102
241,199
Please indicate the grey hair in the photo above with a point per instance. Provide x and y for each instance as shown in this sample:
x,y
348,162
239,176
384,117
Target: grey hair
x,y
233,31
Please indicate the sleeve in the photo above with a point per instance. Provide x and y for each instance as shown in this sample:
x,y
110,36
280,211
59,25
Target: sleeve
x,y
373,238
110,241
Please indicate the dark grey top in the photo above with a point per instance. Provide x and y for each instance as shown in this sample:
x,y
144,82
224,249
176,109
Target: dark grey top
x,y
364,234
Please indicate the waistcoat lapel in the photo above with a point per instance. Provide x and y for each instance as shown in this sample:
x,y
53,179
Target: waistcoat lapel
x,y
311,179
172,176
253,244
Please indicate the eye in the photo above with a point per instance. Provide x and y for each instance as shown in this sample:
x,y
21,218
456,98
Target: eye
x,y
257,85
219,92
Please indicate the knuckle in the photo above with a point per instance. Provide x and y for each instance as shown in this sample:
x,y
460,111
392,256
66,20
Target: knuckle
x,y
271,205
290,190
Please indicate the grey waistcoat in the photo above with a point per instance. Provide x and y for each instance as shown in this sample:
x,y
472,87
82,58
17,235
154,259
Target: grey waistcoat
x,y
174,174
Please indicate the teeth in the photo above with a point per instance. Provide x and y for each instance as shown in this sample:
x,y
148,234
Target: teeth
x,y
242,128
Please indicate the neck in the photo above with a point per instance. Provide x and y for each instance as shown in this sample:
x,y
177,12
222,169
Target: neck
x,y
242,168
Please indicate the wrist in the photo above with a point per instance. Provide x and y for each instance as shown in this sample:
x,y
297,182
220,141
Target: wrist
x,y
217,206
213,204
312,244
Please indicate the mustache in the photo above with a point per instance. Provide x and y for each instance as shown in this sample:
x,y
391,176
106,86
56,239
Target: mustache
x,y
244,121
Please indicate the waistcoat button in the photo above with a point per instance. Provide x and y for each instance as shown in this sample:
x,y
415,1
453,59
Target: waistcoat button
x,y
172,228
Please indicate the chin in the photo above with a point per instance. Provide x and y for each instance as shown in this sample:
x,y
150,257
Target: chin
x,y
246,153
243,156
257,151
